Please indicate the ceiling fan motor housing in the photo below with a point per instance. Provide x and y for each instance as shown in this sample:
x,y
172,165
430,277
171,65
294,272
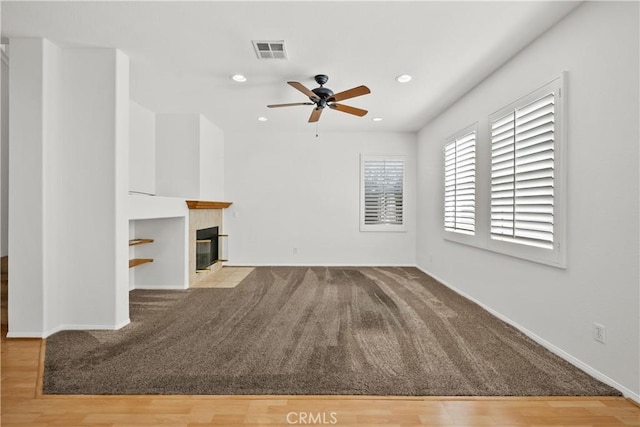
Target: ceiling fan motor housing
x,y
323,93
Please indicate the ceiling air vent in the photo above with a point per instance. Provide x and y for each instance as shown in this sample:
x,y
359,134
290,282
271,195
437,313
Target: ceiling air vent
x,y
270,49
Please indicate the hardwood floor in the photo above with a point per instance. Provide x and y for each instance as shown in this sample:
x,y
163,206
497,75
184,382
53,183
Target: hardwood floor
x,y
23,405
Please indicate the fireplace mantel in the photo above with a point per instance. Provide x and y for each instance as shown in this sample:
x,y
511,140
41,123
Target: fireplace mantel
x,y
204,204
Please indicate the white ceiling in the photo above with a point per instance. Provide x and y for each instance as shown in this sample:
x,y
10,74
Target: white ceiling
x,y
182,53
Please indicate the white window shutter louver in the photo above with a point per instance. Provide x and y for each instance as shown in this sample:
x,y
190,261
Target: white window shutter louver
x,y
383,191
522,174
460,184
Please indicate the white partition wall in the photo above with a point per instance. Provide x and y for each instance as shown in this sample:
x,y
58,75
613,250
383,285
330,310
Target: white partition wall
x,y
68,188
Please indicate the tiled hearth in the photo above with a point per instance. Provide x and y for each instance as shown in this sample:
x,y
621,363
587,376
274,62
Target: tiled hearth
x,y
225,277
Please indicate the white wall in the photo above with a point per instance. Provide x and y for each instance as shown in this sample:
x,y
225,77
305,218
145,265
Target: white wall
x,y
87,226
26,214
189,157
169,253
147,207
132,254
120,95
177,153
598,46
293,190
68,188
166,220
4,157
53,152
142,149
211,161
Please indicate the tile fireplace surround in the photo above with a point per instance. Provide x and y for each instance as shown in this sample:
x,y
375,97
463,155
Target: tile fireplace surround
x,y
202,214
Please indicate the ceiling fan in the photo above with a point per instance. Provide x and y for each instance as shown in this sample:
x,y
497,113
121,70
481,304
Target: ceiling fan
x,y
323,97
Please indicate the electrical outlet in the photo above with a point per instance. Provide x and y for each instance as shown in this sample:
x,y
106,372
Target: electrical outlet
x,y
295,251
599,333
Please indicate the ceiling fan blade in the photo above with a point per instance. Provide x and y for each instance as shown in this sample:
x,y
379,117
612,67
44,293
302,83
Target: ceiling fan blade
x,y
302,88
351,93
347,109
290,105
315,115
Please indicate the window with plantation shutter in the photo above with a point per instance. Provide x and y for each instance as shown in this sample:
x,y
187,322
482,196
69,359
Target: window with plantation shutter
x,y
382,193
460,183
522,174
528,176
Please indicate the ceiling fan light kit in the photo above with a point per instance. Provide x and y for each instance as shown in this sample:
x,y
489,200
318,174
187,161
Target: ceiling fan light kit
x,y
323,97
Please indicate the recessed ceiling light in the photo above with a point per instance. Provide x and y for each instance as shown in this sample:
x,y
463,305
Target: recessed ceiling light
x,y
377,119
262,119
403,78
238,78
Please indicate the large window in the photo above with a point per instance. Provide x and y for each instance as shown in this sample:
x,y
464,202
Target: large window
x,y
527,203
382,193
460,182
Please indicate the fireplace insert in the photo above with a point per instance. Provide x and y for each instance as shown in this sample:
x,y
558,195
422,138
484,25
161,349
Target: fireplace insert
x,y
206,247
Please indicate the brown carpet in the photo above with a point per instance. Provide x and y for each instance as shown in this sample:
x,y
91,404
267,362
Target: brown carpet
x,y
317,330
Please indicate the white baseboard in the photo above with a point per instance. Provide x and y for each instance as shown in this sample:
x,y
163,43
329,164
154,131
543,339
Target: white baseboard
x,y
226,264
73,327
546,344
88,327
26,335
160,288
123,324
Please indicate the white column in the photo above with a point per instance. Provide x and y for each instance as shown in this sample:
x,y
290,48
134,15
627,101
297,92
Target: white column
x,y
4,157
26,191
68,189
121,215
91,244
